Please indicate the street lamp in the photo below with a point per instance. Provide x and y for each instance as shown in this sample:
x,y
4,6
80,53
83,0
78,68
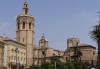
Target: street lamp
x,y
55,65
16,50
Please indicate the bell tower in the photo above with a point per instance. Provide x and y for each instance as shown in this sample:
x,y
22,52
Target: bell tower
x,y
25,32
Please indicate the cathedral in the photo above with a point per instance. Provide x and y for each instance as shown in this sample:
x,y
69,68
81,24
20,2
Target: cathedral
x,y
25,35
23,50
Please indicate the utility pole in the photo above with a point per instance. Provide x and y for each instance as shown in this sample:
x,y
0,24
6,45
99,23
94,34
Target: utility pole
x,y
55,65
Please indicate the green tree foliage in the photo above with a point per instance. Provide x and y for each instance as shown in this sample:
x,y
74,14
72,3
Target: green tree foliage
x,y
77,54
34,66
46,65
69,65
21,67
55,61
95,35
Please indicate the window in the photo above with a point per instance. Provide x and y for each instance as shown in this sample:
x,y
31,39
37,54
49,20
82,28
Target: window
x,y
12,57
18,52
21,58
15,58
21,53
93,52
26,5
24,53
29,25
23,39
12,50
18,58
23,25
18,25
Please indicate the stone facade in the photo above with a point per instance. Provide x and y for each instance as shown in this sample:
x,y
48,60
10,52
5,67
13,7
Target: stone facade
x,y
89,53
25,32
72,42
43,53
11,56
2,43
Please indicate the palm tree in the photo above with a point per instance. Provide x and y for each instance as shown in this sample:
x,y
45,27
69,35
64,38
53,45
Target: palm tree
x,y
77,54
95,35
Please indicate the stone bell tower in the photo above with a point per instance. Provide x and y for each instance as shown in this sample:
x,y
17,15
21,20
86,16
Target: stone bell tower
x,y
25,32
72,42
43,42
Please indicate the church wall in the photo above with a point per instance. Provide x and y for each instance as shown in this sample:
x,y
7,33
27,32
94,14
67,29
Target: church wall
x,y
88,53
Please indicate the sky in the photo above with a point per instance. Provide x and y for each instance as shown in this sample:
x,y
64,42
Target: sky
x,y
57,19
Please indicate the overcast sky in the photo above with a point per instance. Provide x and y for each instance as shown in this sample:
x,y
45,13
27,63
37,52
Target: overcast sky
x,y
57,19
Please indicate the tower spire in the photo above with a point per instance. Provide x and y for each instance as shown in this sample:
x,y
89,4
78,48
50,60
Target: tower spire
x,y
43,36
25,9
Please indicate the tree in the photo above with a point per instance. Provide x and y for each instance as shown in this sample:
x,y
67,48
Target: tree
x,y
46,65
69,65
51,65
77,54
56,60
34,66
21,67
95,35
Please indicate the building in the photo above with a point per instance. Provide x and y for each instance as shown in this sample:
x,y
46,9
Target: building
x,y
25,32
43,53
89,53
72,42
23,50
2,54
14,53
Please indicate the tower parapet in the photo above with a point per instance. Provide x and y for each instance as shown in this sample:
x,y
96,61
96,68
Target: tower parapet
x,y
72,42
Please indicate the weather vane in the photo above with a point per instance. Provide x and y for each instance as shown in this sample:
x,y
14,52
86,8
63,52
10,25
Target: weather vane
x,y
43,34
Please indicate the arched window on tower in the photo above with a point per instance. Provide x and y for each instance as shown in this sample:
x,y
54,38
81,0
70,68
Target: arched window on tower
x,y
29,25
23,25
18,25
23,39
26,5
